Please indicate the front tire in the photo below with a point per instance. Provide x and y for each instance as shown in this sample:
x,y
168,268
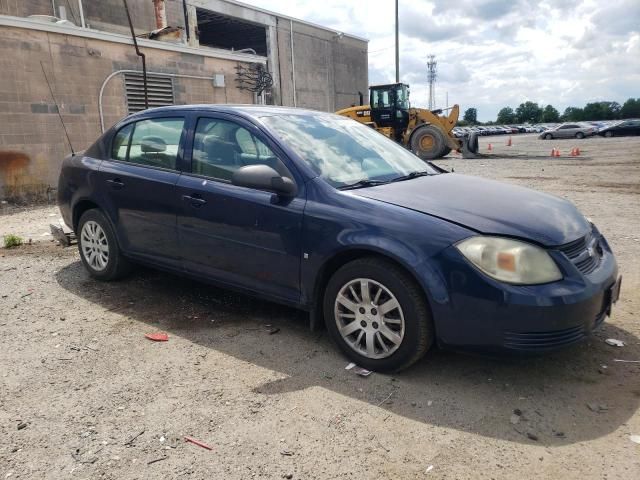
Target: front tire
x,y
98,247
428,142
548,136
608,134
377,315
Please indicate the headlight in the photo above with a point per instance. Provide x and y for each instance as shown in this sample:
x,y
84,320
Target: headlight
x,y
510,261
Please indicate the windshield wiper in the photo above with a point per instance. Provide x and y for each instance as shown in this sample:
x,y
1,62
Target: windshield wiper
x,y
412,175
362,184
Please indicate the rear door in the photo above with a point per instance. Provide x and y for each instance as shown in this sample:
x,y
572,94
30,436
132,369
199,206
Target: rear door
x,y
138,185
241,236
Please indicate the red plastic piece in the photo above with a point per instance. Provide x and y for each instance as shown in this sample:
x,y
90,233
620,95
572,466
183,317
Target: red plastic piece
x,y
157,337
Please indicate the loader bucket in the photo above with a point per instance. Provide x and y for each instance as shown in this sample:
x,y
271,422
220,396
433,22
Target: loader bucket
x,y
470,146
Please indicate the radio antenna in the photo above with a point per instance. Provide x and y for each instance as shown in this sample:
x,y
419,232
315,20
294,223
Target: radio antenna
x,y
57,108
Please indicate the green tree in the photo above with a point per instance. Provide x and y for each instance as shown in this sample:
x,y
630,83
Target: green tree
x,y
550,114
630,108
601,111
528,112
471,115
506,115
572,114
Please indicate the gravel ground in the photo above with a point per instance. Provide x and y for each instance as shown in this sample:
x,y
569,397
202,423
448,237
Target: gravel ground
x,y
84,395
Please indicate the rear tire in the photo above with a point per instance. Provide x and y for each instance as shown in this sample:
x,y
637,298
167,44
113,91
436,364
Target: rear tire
x,y
99,250
399,335
428,142
580,135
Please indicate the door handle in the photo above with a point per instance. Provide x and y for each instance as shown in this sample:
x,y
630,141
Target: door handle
x,y
115,183
194,201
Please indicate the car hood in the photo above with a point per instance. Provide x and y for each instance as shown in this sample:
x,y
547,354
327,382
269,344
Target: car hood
x,y
487,206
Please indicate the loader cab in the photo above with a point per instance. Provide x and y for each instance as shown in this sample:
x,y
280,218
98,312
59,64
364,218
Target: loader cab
x,y
390,106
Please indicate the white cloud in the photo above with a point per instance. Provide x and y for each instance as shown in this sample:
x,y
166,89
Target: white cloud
x,y
494,53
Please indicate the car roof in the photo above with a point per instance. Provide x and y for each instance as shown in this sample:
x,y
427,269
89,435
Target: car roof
x,y
245,110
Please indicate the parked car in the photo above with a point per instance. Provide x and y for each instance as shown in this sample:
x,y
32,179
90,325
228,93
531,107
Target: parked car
x,y
320,212
568,130
621,129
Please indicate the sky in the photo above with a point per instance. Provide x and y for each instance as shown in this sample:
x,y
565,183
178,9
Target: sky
x,y
493,53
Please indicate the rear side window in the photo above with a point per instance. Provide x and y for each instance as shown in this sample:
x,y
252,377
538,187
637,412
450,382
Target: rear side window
x,y
153,143
121,143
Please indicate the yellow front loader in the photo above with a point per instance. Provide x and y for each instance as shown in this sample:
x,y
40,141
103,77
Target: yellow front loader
x,y
426,133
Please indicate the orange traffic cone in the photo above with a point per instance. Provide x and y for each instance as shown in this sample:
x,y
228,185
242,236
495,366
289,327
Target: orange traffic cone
x,y
557,153
490,147
509,142
573,152
577,151
553,152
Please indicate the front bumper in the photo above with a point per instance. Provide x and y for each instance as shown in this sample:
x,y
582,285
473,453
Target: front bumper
x,y
483,314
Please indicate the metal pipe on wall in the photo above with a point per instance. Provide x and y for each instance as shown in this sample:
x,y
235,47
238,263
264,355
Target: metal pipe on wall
x,y
161,13
293,66
81,10
117,72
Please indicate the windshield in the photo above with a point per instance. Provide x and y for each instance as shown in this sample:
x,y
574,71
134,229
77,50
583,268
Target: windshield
x,y
343,151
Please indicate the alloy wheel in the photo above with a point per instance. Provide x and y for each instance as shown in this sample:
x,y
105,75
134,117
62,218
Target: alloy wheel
x,y
95,247
369,318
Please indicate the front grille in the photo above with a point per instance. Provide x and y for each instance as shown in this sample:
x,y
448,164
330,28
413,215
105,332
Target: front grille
x,y
543,340
585,253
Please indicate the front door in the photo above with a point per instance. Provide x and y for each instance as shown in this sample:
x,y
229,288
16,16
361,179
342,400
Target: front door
x,y
138,185
240,236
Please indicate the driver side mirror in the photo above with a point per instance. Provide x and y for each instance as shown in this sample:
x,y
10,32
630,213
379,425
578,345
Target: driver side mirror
x,y
263,177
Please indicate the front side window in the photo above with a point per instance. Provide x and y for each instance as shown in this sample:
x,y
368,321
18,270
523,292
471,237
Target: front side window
x,y
221,147
343,151
155,142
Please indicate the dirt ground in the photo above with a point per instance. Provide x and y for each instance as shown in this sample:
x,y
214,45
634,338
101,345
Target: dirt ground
x,y
84,395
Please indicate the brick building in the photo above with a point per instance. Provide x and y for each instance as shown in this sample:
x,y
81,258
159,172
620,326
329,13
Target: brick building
x,y
85,50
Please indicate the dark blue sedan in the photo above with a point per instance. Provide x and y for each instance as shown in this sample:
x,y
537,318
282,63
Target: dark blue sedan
x,y
320,212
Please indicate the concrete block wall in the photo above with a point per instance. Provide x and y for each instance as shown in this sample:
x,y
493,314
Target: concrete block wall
x,y
32,140
105,15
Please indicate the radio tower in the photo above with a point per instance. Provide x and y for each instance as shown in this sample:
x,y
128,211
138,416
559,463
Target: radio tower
x,y
432,67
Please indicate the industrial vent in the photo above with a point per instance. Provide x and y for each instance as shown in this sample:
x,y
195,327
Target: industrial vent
x,y
159,88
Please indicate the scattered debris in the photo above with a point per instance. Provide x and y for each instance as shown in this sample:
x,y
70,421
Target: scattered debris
x,y
22,425
156,460
273,330
429,468
614,342
635,438
26,294
157,337
594,407
286,453
386,398
363,372
133,439
515,419
532,436
77,456
626,361
197,442
287,476
429,403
